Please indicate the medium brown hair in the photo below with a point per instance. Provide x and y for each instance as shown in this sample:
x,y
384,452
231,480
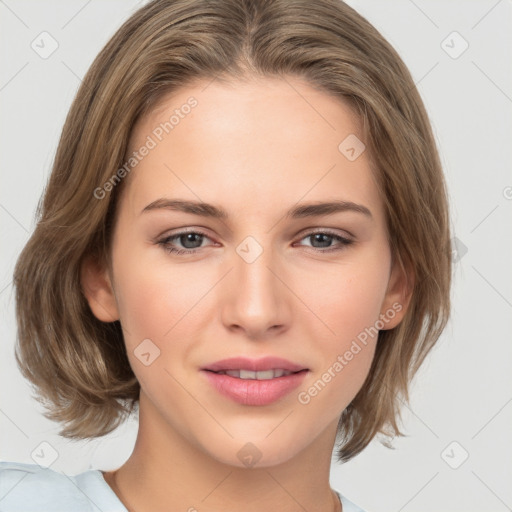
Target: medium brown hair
x,y
78,364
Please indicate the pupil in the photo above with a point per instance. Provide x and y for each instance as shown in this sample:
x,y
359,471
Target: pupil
x,y
318,237
189,238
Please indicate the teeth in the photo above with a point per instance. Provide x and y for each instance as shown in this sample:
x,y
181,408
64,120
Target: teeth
x,y
261,375
247,374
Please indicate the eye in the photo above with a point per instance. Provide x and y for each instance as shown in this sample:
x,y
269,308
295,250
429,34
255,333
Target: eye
x,y
324,239
190,239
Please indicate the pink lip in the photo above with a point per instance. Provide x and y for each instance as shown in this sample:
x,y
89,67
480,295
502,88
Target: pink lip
x,y
255,365
254,392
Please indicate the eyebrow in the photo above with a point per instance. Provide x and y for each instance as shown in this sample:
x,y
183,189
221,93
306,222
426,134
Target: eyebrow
x,y
202,209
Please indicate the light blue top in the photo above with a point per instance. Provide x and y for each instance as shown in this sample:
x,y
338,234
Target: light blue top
x,y
33,488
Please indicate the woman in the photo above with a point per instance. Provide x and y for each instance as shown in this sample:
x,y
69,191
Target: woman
x,y
245,240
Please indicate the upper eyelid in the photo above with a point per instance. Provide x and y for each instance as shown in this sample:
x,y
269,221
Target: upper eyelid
x,y
176,234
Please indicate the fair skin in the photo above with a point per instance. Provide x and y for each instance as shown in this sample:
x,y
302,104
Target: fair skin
x,y
256,149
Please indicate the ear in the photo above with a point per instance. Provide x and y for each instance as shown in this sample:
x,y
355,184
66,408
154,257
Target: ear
x,y
398,295
98,290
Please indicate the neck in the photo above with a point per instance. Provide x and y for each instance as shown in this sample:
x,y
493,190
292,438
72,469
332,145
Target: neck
x,y
167,472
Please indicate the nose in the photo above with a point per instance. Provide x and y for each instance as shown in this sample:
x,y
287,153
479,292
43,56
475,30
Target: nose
x,y
256,299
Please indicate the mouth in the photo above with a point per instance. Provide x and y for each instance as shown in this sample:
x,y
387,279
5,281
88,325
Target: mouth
x,y
254,382
273,373
246,364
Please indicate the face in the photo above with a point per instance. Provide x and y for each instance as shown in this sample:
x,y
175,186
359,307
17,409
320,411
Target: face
x,y
270,279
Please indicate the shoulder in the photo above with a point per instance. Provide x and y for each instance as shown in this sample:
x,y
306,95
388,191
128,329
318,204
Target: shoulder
x,y
348,506
30,488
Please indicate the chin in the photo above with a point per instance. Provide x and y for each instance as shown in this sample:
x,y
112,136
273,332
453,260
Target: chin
x,y
256,454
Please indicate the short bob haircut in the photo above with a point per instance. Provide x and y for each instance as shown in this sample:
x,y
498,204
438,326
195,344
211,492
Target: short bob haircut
x,y
78,364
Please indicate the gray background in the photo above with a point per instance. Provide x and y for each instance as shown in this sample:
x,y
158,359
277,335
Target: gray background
x,y
461,399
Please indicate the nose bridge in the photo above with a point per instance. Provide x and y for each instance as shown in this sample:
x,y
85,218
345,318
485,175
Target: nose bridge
x,y
257,282
257,295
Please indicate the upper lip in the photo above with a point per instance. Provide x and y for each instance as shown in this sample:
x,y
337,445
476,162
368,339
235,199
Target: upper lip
x,y
255,365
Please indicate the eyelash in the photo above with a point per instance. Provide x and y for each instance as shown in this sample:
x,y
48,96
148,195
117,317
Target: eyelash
x,y
345,242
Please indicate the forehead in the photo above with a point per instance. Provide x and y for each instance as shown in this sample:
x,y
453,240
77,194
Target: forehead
x,y
252,144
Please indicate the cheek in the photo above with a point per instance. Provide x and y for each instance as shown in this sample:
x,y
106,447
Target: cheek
x,y
163,302
349,297
348,301
150,298
154,300
156,303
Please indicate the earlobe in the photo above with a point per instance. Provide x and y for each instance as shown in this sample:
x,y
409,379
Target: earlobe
x,y
398,295
98,290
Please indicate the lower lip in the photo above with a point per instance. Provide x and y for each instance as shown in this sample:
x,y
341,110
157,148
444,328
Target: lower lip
x,y
252,391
